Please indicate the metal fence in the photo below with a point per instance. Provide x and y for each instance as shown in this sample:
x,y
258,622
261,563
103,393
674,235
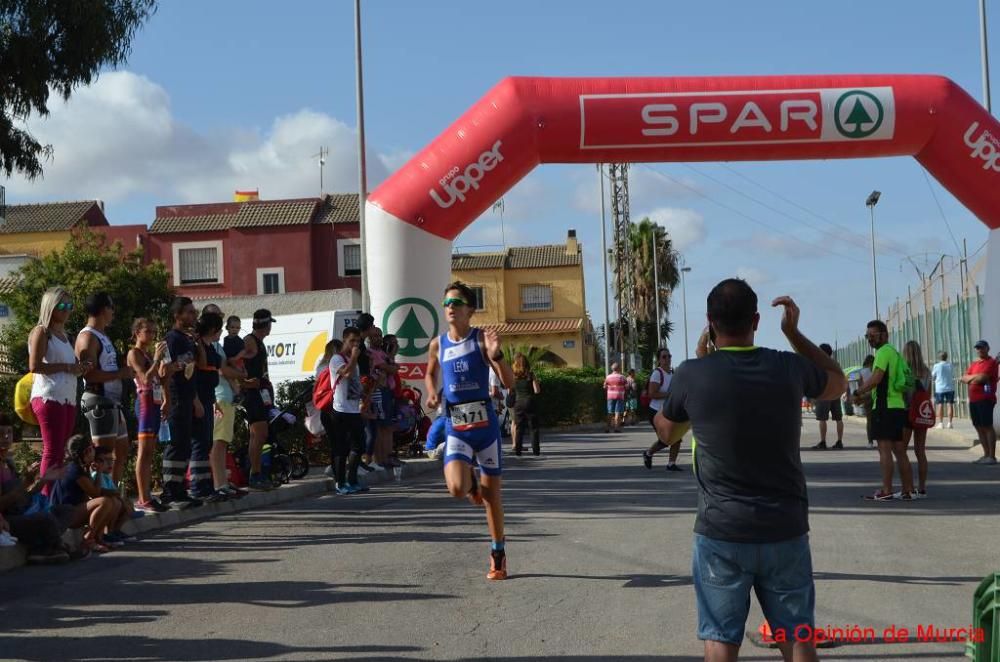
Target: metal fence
x,y
951,325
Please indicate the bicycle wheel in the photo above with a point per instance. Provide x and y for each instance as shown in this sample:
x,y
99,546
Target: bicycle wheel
x,y
281,468
299,465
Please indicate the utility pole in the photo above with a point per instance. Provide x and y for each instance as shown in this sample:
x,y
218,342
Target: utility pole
x,y
624,285
362,175
323,153
656,286
604,265
984,51
870,203
684,299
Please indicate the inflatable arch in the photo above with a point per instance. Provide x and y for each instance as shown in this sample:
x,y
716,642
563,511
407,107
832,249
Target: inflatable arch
x,y
412,218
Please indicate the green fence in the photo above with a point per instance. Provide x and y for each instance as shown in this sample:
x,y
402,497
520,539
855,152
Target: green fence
x,y
953,327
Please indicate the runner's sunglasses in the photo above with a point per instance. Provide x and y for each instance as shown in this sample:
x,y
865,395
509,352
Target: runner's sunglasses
x,y
64,305
454,301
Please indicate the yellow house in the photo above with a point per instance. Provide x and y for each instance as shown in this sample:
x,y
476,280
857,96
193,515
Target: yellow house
x,y
533,295
38,229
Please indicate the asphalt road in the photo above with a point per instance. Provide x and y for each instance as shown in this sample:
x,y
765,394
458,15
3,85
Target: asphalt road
x,y
599,551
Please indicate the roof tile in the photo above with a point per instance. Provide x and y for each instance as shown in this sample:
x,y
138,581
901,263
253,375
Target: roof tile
x,y
518,328
333,208
45,217
517,257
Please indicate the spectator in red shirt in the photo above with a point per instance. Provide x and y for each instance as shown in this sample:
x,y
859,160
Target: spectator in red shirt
x,y
982,380
615,385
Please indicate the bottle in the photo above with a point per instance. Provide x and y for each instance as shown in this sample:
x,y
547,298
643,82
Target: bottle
x,y
164,432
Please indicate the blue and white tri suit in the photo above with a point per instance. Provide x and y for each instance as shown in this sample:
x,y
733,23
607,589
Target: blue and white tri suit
x,y
471,424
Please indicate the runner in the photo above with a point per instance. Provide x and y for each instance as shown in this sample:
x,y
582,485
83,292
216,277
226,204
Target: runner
x,y
659,384
982,380
888,417
464,356
827,409
614,386
258,398
102,384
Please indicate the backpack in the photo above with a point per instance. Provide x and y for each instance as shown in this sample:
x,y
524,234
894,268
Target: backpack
x,y
323,391
22,399
921,409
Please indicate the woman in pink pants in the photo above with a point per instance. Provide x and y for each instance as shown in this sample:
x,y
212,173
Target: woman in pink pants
x,y
53,393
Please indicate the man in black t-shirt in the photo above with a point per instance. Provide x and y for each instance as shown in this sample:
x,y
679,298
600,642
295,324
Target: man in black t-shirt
x,y
752,524
258,395
183,401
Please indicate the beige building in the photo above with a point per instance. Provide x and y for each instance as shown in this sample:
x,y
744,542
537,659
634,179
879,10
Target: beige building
x,y
533,295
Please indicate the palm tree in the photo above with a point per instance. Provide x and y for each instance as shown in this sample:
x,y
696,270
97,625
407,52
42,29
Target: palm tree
x,y
642,237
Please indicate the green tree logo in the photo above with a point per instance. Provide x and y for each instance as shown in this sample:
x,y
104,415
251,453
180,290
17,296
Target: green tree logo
x,y
414,321
858,114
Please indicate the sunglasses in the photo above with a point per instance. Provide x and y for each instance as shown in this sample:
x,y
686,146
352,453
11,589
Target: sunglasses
x,y
64,305
454,301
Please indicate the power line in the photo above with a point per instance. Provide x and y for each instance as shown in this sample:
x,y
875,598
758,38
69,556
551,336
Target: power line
x,y
750,218
940,209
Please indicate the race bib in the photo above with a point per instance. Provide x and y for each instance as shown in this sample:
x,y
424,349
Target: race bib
x,y
469,415
158,394
265,397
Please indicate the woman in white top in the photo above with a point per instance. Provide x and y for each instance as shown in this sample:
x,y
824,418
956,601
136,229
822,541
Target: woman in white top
x,y
53,362
659,384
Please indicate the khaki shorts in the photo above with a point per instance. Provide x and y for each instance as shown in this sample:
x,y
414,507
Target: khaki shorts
x,y
224,422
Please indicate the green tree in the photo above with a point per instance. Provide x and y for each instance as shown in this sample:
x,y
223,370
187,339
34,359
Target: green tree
x,y
642,236
536,355
89,263
55,46
857,117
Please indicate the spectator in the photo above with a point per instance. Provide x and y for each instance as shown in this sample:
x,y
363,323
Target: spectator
x,y
150,406
659,386
944,390
614,386
753,521
91,506
378,434
526,387
922,377
258,396
100,473
827,409
41,531
209,361
886,386
866,408
335,346
53,392
230,373
982,380
348,433
631,398
102,383
183,400
390,391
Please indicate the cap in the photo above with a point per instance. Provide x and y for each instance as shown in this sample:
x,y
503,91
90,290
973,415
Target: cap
x,y
981,344
263,316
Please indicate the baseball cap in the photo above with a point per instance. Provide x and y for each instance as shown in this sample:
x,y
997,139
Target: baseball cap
x,y
262,316
981,344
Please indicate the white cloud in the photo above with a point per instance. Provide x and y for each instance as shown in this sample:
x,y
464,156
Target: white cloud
x,y
686,226
118,137
647,189
756,277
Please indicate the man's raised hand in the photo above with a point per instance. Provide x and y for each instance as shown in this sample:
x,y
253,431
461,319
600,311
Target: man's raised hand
x,y
790,316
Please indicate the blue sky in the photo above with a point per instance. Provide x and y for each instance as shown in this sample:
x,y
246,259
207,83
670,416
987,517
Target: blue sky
x,y
224,94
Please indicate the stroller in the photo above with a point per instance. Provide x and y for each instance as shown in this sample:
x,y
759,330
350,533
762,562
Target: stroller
x,y
411,424
278,460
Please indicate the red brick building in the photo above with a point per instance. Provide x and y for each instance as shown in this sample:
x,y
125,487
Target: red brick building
x,y
259,246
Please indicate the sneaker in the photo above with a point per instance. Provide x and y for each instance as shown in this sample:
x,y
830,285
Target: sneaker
x,y
839,446
498,566
211,497
879,496
151,506
951,426
260,484
437,453
673,467
328,472
232,492
358,487
920,494
990,460
821,446
939,426
181,502
49,557
343,490
113,540
138,514
981,460
647,459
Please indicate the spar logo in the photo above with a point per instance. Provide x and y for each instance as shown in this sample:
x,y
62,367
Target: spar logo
x,y
414,321
984,147
858,114
457,183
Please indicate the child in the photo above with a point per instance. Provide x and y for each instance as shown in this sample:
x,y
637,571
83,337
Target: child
x,y
89,504
100,473
235,351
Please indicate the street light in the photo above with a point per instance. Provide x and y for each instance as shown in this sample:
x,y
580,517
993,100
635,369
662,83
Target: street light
x,y
870,203
985,56
684,301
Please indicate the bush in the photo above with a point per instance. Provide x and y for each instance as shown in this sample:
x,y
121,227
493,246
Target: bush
x,y
571,396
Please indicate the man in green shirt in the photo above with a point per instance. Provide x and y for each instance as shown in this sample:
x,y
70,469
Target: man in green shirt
x,y
889,413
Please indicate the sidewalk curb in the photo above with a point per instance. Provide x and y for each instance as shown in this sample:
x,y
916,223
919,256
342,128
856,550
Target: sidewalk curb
x,y
961,439
13,557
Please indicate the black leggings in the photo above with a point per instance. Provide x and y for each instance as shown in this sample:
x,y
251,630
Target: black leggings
x,y
524,417
345,433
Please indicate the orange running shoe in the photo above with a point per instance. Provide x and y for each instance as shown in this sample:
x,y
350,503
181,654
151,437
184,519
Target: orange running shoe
x,y
498,566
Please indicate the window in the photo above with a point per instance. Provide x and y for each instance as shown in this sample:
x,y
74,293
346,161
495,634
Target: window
x,y
4,310
536,297
480,298
349,254
271,280
197,263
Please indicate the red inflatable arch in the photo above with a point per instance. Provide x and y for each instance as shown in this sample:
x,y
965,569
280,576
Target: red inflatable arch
x,y
522,122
